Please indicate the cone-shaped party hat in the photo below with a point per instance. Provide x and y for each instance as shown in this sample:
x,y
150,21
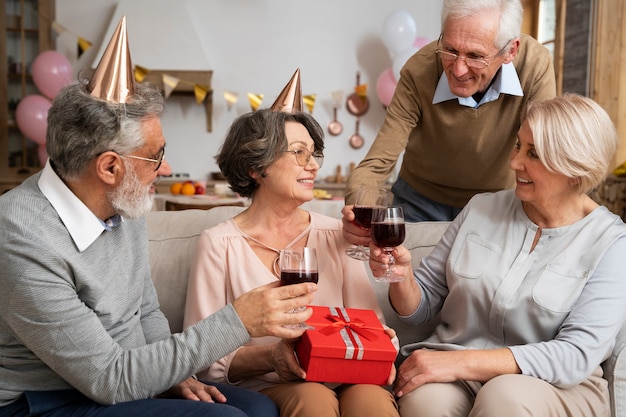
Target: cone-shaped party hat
x,y
290,99
113,79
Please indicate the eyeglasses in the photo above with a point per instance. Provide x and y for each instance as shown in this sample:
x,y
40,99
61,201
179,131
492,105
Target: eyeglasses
x,y
303,156
476,63
157,161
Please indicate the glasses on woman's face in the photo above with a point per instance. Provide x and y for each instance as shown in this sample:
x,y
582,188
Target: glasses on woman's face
x,y
303,156
158,160
476,63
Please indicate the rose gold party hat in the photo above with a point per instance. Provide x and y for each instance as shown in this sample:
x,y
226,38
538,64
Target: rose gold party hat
x,y
113,79
290,99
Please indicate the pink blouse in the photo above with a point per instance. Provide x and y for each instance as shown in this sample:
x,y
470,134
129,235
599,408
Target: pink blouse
x,y
225,266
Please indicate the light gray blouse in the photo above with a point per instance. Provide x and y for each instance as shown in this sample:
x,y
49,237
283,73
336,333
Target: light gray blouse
x,y
558,307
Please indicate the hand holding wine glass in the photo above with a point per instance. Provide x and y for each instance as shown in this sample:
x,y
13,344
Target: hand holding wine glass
x,y
388,231
367,198
298,265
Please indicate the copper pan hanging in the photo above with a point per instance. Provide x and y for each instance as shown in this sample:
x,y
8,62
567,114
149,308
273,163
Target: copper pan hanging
x,y
334,126
356,140
357,104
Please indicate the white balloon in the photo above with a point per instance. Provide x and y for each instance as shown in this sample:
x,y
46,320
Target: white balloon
x,y
400,59
399,31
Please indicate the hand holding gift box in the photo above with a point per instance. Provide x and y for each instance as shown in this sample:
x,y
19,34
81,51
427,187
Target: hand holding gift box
x,y
346,345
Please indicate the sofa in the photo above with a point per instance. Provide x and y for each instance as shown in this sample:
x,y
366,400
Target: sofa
x,y
172,237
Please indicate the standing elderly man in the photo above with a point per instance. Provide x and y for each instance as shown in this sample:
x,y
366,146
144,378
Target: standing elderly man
x,y
456,112
81,332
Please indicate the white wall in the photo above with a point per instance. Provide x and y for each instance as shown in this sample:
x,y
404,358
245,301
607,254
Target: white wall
x,y
252,46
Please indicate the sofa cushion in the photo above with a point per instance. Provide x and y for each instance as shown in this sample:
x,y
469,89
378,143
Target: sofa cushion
x,y
172,237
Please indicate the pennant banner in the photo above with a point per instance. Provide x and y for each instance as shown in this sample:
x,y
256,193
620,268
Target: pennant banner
x,y
309,101
169,84
231,98
361,91
83,45
200,91
255,100
140,73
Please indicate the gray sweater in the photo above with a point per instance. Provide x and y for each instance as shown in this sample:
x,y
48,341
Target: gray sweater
x,y
90,319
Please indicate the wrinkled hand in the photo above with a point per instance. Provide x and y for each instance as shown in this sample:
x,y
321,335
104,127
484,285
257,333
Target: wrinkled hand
x,y
424,366
354,234
379,261
283,361
191,389
267,309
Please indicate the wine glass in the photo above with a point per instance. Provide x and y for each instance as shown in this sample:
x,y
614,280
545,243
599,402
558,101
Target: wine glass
x,y
298,265
388,232
367,198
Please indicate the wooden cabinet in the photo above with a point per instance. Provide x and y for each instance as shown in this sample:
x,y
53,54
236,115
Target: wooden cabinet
x,y
25,30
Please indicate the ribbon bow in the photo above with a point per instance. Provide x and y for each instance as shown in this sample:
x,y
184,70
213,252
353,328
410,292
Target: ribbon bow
x,y
338,323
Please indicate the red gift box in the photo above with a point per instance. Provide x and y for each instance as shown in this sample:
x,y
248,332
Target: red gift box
x,y
347,345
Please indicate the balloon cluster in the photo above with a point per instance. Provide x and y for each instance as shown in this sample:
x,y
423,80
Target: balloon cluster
x,y
51,72
400,38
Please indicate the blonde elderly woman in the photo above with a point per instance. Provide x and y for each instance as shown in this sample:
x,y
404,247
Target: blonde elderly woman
x,y
274,157
529,283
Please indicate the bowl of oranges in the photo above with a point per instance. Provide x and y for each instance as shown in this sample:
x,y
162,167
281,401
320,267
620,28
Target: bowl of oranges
x,y
187,188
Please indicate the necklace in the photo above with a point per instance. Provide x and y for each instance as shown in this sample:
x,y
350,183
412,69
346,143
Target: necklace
x,y
276,262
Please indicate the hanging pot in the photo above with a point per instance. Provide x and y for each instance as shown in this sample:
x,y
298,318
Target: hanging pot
x,y
334,126
356,104
356,140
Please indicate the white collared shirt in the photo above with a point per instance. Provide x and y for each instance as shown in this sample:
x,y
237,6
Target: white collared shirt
x,y
505,82
84,227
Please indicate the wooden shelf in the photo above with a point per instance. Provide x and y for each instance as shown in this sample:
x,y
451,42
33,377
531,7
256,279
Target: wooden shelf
x,y
24,33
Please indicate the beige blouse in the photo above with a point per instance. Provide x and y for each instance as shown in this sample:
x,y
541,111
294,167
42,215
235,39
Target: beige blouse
x,y
224,267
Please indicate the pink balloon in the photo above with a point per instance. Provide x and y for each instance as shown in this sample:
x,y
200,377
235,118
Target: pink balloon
x,y
31,116
420,41
385,86
42,153
51,72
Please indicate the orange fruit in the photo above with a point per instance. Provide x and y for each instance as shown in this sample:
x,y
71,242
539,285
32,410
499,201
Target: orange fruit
x,y
188,188
176,188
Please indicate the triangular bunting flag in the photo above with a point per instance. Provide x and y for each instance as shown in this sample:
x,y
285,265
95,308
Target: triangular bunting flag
x,y
140,73
57,27
200,92
231,98
309,101
361,91
169,84
337,97
255,100
83,45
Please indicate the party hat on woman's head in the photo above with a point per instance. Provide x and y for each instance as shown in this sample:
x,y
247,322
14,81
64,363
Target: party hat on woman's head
x,y
290,99
113,79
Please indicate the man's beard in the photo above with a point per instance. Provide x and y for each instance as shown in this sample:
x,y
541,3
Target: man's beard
x,y
131,199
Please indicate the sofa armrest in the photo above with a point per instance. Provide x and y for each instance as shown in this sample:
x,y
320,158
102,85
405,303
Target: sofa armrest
x,y
615,373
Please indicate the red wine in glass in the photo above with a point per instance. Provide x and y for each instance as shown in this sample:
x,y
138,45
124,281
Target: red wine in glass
x,y
291,277
388,231
363,216
296,266
368,197
388,234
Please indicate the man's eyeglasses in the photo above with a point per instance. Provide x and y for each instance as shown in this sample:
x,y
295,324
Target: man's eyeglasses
x,y
303,156
476,63
158,160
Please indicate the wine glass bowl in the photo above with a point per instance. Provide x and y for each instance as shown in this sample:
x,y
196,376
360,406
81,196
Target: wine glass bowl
x,y
298,265
367,198
388,231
